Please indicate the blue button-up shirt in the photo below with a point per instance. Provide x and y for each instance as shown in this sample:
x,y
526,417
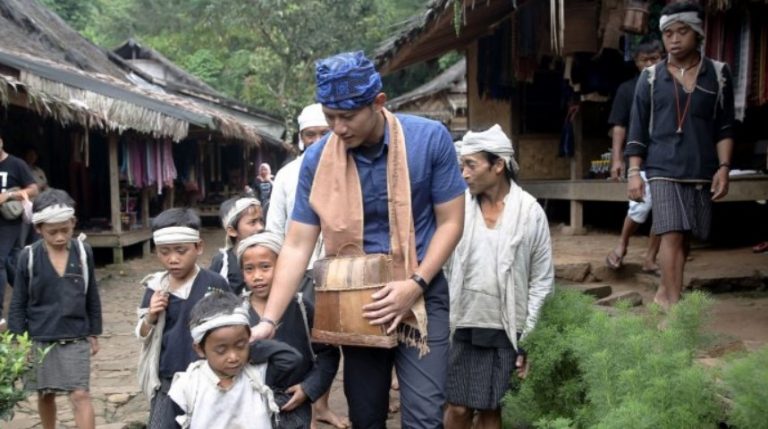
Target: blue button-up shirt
x,y
434,175
692,154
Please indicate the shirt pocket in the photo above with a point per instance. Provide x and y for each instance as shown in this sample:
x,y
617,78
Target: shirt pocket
x,y
72,296
703,102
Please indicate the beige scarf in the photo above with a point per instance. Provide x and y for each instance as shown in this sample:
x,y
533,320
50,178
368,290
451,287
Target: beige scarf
x,y
337,198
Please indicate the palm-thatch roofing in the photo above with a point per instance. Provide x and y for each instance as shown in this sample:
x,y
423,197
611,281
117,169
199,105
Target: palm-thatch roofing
x,y
452,82
432,33
154,67
60,74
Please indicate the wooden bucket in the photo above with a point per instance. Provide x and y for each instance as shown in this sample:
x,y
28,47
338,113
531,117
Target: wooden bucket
x,y
343,285
635,17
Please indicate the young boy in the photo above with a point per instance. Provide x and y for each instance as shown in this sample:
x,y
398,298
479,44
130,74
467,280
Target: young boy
x,y
166,305
257,255
223,390
240,217
56,300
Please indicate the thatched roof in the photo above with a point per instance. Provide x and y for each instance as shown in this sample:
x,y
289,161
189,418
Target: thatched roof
x,y
60,74
154,67
453,79
432,33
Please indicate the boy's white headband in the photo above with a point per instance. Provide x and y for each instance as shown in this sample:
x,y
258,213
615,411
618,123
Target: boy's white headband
x,y
53,214
238,317
176,235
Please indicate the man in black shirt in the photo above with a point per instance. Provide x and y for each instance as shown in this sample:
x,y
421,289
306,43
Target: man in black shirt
x,y
682,131
646,55
15,180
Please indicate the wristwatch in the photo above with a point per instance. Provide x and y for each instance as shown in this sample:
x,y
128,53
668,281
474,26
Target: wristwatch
x,y
420,281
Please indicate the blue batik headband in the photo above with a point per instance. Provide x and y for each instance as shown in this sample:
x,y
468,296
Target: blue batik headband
x,y
346,81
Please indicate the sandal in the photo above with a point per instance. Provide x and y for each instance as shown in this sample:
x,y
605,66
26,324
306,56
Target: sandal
x,y
614,260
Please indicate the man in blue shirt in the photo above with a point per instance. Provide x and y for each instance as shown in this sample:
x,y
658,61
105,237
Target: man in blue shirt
x,y
349,88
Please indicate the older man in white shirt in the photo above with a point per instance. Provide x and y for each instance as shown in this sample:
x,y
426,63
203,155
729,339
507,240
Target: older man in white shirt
x,y
499,276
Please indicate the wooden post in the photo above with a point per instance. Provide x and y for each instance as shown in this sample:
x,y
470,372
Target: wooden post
x,y
576,226
114,197
145,249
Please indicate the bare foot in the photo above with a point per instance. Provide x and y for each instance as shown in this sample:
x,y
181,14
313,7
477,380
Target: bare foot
x,y
330,418
651,268
661,302
615,259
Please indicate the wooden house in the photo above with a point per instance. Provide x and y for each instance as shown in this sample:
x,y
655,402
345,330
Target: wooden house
x,y
443,99
531,67
103,132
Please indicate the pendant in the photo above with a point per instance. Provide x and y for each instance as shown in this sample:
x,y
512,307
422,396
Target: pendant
x,y
679,130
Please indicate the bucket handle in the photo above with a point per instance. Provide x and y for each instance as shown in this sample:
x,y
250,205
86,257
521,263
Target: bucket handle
x,y
356,246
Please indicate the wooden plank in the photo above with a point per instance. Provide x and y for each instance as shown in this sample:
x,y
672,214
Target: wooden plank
x,y
741,189
114,185
145,207
125,238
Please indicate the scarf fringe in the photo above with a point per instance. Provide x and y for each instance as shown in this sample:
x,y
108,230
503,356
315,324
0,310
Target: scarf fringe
x,y
411,337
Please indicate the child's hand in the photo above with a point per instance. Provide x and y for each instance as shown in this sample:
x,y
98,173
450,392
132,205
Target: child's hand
x,y
157,304
94,345
297,399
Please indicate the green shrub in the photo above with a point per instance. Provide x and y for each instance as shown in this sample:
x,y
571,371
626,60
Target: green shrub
x,y
746,384
589,369
14,364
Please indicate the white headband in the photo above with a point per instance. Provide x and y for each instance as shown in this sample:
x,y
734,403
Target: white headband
x,y
53,214
312,116
240,206
238,317
175,235
492,140
268,239
690,19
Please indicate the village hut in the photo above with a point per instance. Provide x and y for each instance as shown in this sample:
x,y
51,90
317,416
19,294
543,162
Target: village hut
x,y
547,71
443,99
103,132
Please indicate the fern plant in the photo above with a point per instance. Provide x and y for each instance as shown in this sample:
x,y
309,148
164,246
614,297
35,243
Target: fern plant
x,y
746,384
592,370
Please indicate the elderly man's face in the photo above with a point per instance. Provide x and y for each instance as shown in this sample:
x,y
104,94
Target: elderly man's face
x,y
480,174
679,39
310,135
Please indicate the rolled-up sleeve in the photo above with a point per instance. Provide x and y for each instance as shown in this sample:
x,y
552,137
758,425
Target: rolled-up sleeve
x,y
638,136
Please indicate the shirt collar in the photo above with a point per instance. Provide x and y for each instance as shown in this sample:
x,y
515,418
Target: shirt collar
x,y
702,69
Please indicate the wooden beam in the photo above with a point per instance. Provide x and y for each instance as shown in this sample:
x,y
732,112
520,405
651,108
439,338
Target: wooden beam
x,y
145,247
439,35
740,189
114,185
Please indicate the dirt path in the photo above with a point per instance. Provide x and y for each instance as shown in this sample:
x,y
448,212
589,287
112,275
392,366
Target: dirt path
x,y
741,316
116,397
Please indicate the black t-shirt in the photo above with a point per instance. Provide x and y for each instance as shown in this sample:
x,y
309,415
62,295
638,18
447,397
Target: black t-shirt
x,y
622,104
14,173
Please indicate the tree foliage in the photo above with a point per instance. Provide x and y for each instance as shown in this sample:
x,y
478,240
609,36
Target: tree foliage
x,y
261,52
